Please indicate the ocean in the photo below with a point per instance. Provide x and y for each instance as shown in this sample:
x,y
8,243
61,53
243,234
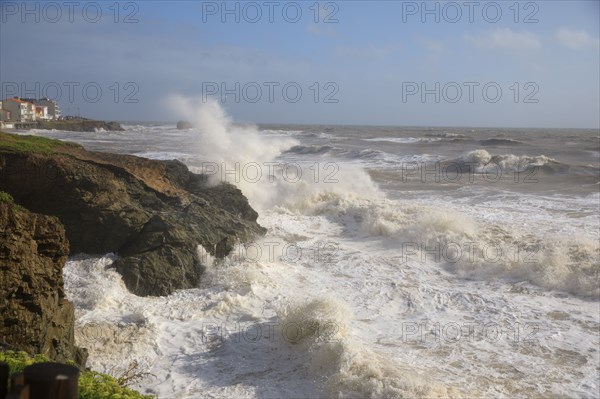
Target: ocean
x,y
399,262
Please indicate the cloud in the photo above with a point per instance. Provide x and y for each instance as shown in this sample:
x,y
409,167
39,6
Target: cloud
x,y
506,38
576,39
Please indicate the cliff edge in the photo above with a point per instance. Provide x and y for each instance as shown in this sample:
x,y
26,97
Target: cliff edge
x,y
152,214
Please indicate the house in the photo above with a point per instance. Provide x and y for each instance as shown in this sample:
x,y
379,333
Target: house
x,y
52,112
41,112
5,118
4,115
53,108
20,111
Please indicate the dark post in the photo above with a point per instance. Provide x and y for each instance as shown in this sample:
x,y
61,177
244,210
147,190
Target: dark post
x,y
52,381
4,370
17,379
19,392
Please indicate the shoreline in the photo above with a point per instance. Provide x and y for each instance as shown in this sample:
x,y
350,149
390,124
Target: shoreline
x,y
58,200
71,125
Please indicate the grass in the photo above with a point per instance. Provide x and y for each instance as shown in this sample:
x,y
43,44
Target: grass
x,y
92,385
6,198
15,143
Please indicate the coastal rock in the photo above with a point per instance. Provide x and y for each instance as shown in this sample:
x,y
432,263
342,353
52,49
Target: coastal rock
x,y
80,125
35,315
153,214
184,125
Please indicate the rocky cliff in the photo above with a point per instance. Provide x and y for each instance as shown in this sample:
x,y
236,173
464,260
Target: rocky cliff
x,y
153,214
35,315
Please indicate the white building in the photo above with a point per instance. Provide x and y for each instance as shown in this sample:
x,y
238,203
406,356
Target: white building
x,y
20,111
5,118
41,112
53,108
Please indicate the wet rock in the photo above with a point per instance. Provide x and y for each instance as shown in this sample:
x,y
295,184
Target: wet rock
x,y
153,214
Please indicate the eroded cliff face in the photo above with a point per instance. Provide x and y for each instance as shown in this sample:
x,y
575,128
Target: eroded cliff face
x,y
153,214
35,315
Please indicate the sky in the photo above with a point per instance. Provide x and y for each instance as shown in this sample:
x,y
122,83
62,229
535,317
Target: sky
x,y
404,63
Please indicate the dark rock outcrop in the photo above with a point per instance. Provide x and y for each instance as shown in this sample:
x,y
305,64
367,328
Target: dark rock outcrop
x,y
184,125
79,125
35,315
153,214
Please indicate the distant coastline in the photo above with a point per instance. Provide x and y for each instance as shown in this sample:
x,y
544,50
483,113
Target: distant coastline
x,y
71,125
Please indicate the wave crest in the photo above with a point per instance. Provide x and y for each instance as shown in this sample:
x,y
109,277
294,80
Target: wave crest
x,y
480,158
351,369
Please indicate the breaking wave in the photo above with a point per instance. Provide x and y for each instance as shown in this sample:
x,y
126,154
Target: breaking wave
x,y
481,160
446,135
407,140
320,328
463,245
309,149
353,201
385,243
500,142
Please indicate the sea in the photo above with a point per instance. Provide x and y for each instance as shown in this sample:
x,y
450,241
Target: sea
x,y
399,262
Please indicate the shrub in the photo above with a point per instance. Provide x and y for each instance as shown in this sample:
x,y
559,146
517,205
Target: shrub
x,y
6,198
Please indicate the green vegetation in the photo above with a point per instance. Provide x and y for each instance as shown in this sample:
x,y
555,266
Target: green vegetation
x,y
17,361
28,144
92,385
6,198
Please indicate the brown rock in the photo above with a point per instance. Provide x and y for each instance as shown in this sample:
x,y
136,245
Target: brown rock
x,y
153,214
36,316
